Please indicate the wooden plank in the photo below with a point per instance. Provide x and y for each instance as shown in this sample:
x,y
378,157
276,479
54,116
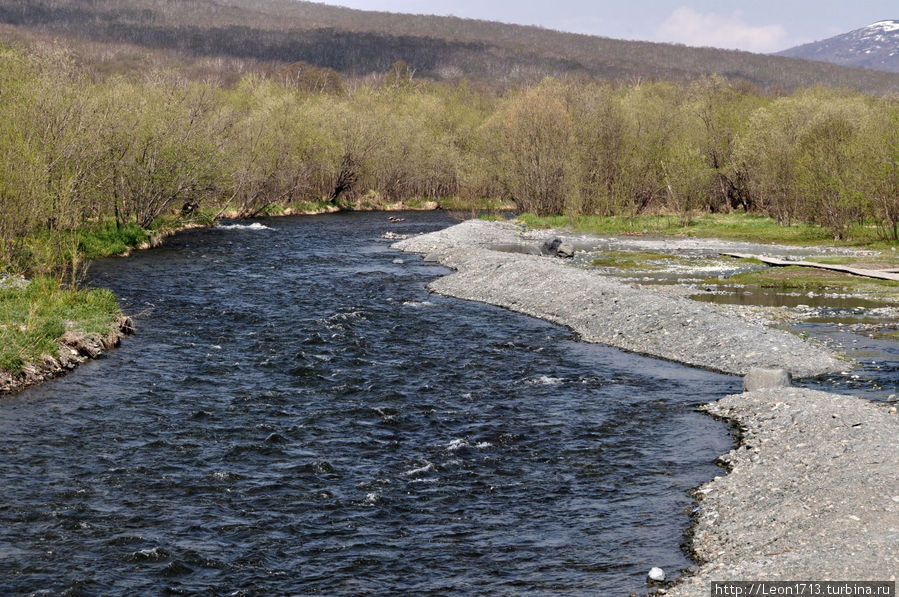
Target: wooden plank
x,y
855,271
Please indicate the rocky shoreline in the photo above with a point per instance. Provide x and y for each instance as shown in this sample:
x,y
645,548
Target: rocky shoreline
x,y
605,310
74,349
812,492
813,487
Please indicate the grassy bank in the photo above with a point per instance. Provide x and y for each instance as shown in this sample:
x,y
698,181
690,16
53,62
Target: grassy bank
x,y
818,281
34,319
35,315
733,226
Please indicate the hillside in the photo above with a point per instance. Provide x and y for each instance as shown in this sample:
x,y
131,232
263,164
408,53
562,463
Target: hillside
x,y
875,46
357,43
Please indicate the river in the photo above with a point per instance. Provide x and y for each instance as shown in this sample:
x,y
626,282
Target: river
x,y
297,415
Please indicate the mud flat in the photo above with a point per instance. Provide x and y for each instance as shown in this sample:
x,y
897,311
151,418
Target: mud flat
x,y
813,487
604,310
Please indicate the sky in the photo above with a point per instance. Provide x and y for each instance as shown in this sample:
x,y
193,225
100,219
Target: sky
x,y
755,26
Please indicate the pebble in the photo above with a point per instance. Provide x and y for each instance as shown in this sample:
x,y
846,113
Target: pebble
x,y
656,574
605,310
813,501
784,517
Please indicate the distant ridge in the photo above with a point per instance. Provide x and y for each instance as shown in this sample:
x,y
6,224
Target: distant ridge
x,y
875,46
357,43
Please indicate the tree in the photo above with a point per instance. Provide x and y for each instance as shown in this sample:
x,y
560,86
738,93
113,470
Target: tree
x,y
535,135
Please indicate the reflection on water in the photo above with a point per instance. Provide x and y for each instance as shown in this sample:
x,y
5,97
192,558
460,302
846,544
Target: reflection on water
x,y
763,297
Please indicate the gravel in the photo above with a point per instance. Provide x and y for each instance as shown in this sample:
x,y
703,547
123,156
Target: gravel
x,y
602,309
813,493
813,486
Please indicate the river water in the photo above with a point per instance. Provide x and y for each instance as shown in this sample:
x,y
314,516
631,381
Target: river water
x,y
297,415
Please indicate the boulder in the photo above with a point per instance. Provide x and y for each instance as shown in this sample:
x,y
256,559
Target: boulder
x,y
126,324
565,250
759,379
556,247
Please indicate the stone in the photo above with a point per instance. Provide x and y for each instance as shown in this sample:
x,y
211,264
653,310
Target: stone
x,y
556,247
565,250
126,325
758,379
656,574
551,245
90,348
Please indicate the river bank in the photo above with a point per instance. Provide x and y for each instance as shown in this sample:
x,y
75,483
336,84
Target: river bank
x,y
74,349
601,309
813,490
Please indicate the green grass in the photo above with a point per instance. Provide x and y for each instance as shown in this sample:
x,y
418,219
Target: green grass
x,y
48,252
886,260
34,319
809,279
651,260
632,260
734,226
108,240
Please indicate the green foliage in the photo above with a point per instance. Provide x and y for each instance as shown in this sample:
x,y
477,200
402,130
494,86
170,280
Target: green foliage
x,y
110,239
533,132
733,226
86,162
274,146
33,320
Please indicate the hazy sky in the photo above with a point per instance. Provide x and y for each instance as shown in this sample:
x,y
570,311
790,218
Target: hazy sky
x,y
757,26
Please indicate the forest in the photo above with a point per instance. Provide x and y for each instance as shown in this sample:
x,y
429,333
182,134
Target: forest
x,y
120,155
122,121
357,43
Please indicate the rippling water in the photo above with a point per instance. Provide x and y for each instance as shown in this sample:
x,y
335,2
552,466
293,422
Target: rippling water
x,y
297,415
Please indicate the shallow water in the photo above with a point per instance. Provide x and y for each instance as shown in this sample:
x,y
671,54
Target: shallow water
x,y
298,415
839,305
875,375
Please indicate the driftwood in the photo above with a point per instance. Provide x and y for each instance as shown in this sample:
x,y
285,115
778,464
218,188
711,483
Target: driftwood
x,y
884,274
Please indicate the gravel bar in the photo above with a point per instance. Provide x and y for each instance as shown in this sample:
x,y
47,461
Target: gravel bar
x,y
602,309
813,488
813,493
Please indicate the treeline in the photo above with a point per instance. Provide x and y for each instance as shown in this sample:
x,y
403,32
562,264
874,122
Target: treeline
x,y
77,150
356,42
817,156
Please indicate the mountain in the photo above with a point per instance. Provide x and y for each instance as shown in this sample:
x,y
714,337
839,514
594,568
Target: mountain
x,y
250,33
875,46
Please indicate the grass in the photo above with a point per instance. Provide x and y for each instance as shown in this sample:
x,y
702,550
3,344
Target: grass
x,y
632,260
108,240
733,226
650,260
885,260
33,320
808,279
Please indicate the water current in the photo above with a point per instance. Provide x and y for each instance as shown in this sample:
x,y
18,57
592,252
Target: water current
x,y
297,415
